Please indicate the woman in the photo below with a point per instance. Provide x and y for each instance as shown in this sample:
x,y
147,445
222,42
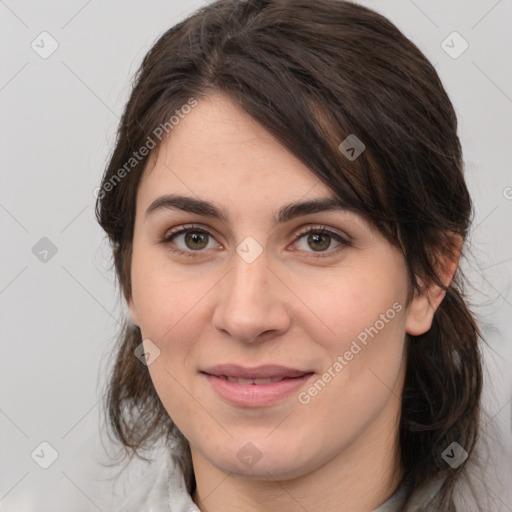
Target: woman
x,y
287,210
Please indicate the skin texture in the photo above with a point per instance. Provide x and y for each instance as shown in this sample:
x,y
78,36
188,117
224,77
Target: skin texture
x,y
288,307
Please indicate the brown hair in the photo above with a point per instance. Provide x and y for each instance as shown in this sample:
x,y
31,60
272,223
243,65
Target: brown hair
x,y
313,73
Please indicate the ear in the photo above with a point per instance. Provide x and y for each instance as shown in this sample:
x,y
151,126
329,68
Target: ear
x,y
420,313
133,311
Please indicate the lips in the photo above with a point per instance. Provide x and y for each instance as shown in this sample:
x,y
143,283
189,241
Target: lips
x,y
240,380
261,386
258,375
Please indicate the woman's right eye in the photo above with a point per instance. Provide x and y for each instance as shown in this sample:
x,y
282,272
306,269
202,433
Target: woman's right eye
x,y
190,240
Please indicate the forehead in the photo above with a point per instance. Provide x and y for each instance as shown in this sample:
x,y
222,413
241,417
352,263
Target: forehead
x,y
218,151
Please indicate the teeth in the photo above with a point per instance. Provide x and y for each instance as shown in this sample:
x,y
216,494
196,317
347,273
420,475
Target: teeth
x,y
251,381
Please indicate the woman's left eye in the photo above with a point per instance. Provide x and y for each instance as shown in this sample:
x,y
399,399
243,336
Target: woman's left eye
x,y
319,241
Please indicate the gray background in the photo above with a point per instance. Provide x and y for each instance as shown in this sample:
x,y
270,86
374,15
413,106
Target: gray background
x,y
59,312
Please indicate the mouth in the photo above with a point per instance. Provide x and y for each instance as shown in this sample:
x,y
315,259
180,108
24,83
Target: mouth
x,y
255,387
269,380
263,374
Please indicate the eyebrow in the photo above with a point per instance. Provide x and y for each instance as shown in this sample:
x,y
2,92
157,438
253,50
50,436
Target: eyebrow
x,y
208,209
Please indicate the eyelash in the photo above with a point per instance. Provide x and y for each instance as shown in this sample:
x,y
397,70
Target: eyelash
x,y
321,230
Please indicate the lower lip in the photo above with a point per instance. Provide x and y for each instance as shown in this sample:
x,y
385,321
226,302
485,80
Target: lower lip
x,y
256,395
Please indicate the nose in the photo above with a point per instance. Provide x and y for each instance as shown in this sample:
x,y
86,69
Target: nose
x,y
251,303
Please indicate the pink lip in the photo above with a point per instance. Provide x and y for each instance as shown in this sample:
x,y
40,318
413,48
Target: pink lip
x,y
255,395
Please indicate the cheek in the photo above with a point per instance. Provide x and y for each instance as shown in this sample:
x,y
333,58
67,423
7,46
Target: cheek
x,y
173,312
364,357
172,386
369,321
360,304
164,300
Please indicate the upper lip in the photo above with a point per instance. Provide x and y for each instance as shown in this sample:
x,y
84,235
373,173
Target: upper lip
x,y
257,372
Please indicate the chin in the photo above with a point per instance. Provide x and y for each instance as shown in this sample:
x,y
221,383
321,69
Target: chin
x,y
268,463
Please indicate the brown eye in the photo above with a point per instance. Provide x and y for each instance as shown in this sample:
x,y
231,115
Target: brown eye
x,y
196,240
319,241
190,240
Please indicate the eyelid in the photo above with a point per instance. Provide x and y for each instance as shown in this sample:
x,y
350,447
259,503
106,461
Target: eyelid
x,y
321,228
184,228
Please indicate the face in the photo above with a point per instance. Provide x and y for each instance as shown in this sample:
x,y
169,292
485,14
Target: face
x,y
231,277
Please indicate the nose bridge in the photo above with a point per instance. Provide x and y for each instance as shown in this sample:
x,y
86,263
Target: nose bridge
x,y
248,278
248,304
247,282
